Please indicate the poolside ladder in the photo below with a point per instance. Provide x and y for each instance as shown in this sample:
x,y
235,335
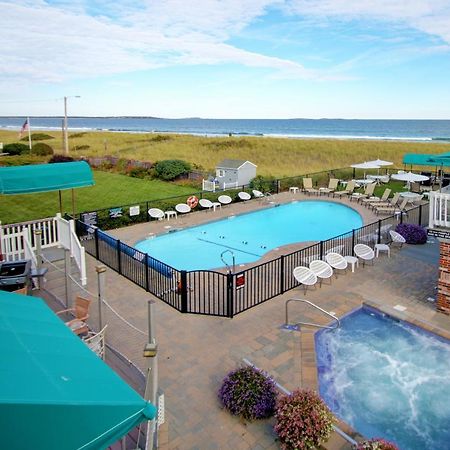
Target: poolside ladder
x,y
287,325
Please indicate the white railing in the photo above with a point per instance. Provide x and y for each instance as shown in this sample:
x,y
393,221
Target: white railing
x,y
17,241
234,184
28,250
208,186
439,210
69,240
12,246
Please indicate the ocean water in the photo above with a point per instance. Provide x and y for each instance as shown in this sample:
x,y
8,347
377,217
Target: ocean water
x,y
410,130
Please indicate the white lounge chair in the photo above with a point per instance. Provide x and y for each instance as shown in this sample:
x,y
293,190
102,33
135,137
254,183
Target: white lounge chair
x,y
397,238
257,194
183,208
244,196
332,186
392,202
368,191
336,261
373,200
305,276
156,213
364,253
321,269
348,189
393,209
205,203
308,186
225,199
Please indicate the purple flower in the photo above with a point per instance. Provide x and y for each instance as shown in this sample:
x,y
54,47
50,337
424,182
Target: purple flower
x,y
249,393
414,234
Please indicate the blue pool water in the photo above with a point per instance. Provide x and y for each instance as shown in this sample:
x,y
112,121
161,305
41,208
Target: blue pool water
x,y
387,379
250,236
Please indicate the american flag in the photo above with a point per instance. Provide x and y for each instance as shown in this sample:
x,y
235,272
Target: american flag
x,y
24,128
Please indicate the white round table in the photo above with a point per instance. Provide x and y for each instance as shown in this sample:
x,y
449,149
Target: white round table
x,y
411,196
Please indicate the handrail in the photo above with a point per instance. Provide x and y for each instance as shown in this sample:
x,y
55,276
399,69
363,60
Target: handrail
x,y
301,300
343,434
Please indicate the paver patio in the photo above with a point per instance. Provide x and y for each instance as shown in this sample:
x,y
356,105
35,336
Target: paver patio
x,y
196,352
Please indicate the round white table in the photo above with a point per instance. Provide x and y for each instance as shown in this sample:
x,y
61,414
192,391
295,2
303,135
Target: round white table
x,y
364,181
352,260
411,196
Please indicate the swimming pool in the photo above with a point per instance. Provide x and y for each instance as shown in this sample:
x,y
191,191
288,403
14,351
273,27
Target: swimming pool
x,y
249,236
387,378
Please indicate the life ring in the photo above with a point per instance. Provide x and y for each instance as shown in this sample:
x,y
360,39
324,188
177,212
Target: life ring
x,y
192,201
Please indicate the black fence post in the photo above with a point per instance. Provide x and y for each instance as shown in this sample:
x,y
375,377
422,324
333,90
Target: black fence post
x,y
282,274
420,215
321,250
119,258
96,242
184,292
379,231
353,241
147,215
230,296
147,280
401,216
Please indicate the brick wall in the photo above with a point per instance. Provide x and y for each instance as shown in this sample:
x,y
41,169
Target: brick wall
x,y
443,298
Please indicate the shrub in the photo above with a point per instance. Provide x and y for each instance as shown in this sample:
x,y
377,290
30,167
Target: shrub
x,y
42,149
16,148
376,444
161,138
77,135
60,159
413,234
249,393
169,169
263,184
139,172
38,137
303,420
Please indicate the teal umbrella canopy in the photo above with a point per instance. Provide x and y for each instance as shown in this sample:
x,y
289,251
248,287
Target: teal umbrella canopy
x,y
55,393
45,177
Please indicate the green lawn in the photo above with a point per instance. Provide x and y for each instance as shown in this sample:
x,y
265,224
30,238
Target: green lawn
x,y
110,190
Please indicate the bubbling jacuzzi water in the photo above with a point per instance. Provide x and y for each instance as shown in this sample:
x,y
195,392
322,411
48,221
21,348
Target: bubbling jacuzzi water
x,y
387,379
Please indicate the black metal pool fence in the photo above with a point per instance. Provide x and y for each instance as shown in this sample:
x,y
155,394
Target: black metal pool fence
x,y
222,294
123,215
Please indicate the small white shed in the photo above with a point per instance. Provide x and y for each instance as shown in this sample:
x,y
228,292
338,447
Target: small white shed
x,y
234,173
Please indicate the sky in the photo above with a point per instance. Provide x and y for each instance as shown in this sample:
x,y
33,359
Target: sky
x,y
362,59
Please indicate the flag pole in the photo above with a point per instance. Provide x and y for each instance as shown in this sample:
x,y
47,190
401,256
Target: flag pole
x,y
29,133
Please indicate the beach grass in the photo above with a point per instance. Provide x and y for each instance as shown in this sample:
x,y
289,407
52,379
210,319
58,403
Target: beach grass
x,y
278,157
110,190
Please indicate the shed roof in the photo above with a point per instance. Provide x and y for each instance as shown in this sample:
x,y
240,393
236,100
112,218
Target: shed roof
x,y
45,177
233,164
54,391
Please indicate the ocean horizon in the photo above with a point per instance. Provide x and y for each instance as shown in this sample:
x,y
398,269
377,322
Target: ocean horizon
x,y
366,129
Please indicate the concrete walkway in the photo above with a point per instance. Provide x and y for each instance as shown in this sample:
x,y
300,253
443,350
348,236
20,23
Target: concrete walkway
x,y
196,352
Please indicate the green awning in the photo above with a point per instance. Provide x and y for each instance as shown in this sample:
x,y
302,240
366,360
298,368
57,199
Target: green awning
x,y
45,177
417,159
55,393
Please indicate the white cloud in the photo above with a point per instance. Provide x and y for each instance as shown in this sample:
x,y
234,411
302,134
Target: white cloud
x,y
429,16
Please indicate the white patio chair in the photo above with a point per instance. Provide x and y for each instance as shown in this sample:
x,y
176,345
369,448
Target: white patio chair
x,y
183,208
364,253
96,342
205,203
305,276
257,194
322,270
224,199
336,261
397,238
156,213
244,196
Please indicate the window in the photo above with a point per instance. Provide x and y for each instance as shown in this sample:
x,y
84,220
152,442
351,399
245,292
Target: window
x,y
220,173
